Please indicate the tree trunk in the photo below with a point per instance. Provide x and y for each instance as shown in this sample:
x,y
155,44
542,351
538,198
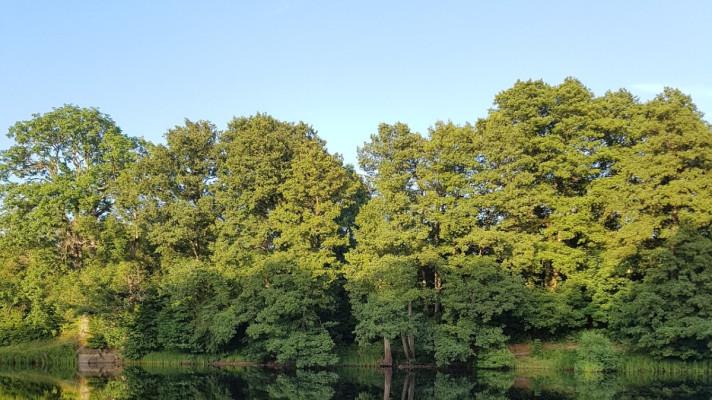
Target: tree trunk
x,y
406,348
411,346
387,355
408,392
387,379
411,388
411,338
438,287
424,286
404,391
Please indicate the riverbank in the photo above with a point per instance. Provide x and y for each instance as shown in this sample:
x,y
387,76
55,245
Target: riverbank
x,y
542,358
60,351
532,359
343,383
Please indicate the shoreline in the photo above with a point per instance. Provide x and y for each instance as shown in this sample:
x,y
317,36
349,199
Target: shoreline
x,y
550,357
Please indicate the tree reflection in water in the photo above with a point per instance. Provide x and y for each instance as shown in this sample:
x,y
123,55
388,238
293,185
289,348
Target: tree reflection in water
x,y
360,384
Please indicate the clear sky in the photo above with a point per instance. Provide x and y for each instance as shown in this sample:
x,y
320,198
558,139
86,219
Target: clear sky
x,y
342,66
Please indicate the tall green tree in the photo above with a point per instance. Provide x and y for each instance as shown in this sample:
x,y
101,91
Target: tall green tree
x,y
658,176
385,269
288,213
180,211
162,291
58,192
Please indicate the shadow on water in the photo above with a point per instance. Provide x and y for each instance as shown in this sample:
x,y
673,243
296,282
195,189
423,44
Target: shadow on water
x,y
347,383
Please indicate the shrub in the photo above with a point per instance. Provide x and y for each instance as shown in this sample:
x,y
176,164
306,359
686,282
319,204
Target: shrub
x,y
596,353
496,359
97,342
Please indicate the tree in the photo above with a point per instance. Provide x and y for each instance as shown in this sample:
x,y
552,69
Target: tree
x,y
558,211
480,300
288,214
669,313
58,179
58,193
384,271
175,212
659,161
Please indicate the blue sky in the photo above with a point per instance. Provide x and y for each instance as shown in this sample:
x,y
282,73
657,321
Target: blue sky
x,y
341,66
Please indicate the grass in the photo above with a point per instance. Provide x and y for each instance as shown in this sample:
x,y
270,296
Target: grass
x,y
530,363
56,352
637,365
358,356
350,356
176,359
557,358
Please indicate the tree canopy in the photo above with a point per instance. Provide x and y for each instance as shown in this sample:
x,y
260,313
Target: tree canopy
x,y
558,211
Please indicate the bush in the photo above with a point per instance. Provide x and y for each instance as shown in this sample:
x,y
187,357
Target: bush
x,y
496,359
97,342
16,328
596,353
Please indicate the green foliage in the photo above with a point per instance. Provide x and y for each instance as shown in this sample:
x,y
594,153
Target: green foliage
x,y
41,353
669,313
596,353
496,359
361,356
285,321
198,312
448,387
288,210
480,301
57,189
558,211
97,341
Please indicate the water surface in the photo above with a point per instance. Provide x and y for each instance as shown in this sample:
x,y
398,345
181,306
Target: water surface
x,y
352,383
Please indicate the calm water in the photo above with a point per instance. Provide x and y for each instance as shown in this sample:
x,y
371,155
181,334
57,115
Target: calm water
x,y
361,384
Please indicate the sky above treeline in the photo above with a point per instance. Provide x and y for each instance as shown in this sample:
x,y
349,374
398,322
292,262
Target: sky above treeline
x,y
342,66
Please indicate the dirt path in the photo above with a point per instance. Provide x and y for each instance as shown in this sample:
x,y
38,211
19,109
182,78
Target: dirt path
x,y
525,349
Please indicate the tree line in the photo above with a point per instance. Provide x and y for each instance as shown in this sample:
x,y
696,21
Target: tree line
x,y
559,211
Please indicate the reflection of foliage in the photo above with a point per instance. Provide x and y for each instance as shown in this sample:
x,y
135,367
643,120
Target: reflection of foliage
x,y
254,383
112,390
13,388
304,385
495,379
666,390
143,385
590,388
493,384
449,387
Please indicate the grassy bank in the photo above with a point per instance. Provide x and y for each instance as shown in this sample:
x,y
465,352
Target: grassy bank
x,y
555,357
642,365
351,356
177,359
357,356
558,357
44,353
